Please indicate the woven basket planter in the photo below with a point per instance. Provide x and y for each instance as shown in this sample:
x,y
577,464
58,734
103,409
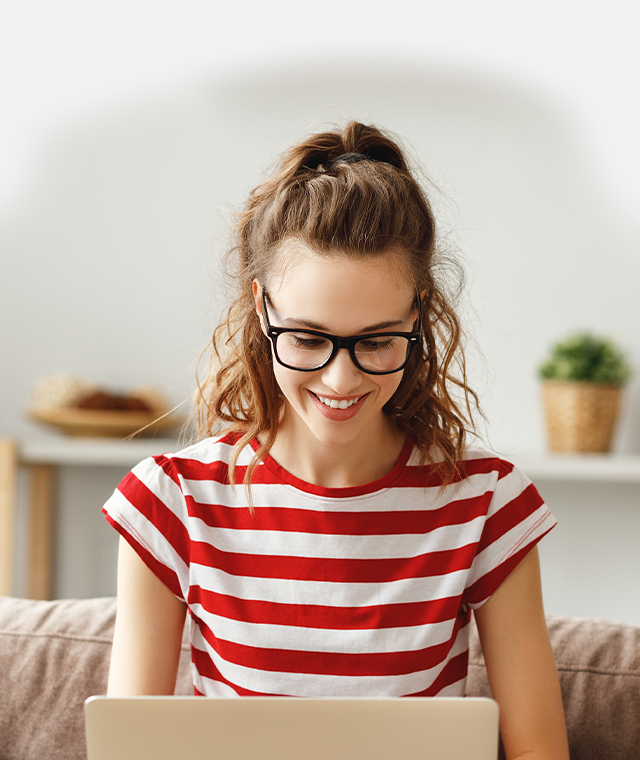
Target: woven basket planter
x,y
580,416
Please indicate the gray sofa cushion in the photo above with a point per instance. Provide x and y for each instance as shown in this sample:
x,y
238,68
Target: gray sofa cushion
x,y
53,655
598,664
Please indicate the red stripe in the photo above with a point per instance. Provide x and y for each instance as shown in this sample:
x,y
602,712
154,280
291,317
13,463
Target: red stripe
x,y
168,465
282,475
164,520
167,576
347,523
193,469
270,473
510,515
488,584
350,664
432,475
334,570
455,670
231,438
326,617
207,669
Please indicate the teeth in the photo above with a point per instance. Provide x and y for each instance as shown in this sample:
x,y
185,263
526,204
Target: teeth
x,y
335,404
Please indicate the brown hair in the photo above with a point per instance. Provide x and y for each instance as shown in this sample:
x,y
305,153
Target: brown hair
x,y
364,208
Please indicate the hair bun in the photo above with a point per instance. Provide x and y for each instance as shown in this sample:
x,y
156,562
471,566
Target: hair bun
x,y
372,142
355,143
385,155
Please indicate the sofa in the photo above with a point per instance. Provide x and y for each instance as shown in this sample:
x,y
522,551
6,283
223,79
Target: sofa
x,y
53,655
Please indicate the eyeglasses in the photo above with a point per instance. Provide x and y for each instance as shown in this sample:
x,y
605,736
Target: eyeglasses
x,y
380,353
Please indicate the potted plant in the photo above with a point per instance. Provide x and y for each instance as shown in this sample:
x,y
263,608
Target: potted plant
x,y
582,382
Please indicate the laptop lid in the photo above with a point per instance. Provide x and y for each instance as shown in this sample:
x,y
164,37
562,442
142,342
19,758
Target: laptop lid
x,y
283,728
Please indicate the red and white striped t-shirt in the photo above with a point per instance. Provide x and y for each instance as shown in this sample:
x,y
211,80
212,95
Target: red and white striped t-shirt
x,y
363,591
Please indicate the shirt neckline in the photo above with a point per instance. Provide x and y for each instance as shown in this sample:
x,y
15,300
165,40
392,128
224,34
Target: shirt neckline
x,y
285,477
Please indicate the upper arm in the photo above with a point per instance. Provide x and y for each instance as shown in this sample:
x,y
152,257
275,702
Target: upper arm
x,y
521,667
148,630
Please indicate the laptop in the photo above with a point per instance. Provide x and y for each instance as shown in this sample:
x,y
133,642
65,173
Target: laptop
x,y
285,728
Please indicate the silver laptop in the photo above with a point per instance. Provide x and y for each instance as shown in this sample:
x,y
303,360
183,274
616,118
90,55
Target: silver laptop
x,y
283,728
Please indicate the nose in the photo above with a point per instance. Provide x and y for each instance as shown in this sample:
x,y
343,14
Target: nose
x,y
341,375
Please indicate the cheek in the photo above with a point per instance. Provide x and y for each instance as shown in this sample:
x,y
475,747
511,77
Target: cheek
x,y
390,386
277,375
392,383
288,381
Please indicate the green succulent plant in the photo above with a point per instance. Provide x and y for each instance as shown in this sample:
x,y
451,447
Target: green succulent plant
x,y
587,358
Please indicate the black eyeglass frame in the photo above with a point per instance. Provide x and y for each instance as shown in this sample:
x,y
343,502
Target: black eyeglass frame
x,y
339,342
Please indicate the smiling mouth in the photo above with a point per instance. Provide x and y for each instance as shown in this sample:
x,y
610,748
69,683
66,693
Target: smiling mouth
x,y
333,403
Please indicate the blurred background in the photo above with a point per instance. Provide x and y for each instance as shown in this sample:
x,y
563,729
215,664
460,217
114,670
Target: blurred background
x,y
131,130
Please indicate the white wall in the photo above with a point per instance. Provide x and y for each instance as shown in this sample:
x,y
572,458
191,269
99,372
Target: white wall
x,y
109,245
589,561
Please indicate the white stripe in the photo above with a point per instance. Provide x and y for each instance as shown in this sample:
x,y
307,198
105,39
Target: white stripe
x,y
354,641
212,450
511,486
510,542
330,546
215,689
288,591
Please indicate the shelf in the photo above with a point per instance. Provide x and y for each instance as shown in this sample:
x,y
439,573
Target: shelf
x,y
105,452
610,468
101,452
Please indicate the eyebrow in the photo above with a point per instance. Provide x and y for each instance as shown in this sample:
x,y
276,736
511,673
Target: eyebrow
x,y
302,323
322,328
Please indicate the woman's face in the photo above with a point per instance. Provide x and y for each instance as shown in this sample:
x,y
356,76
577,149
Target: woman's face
x,y
342,296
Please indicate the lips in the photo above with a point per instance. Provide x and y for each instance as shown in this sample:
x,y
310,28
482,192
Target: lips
x,y
335,403
337,409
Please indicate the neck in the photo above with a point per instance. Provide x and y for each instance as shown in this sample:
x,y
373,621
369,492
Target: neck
x,y
333,465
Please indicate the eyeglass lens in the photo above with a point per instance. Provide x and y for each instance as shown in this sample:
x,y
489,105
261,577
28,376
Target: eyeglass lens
x,y
383,353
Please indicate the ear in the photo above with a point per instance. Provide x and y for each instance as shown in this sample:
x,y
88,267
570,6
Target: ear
x,y
422,297
257,297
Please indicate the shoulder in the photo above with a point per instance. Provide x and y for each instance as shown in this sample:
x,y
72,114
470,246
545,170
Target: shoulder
x,y
168,480
206,452
479,462
508,493
501,480
207,459
479,470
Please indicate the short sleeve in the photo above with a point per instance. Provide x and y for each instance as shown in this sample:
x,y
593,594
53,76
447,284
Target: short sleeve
x,y
517,518
149,510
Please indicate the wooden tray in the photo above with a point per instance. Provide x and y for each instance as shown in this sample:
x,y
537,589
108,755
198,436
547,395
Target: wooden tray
x,y
106,423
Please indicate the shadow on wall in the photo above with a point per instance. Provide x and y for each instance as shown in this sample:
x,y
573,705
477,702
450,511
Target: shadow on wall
x,y
111,257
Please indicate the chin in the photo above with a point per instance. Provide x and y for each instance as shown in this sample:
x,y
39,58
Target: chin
x,y
332,433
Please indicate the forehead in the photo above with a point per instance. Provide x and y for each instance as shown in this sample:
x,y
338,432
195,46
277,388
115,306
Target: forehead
x,y
342,293
296,261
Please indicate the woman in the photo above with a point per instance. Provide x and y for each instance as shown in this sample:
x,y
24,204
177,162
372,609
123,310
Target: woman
x,y
331,533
